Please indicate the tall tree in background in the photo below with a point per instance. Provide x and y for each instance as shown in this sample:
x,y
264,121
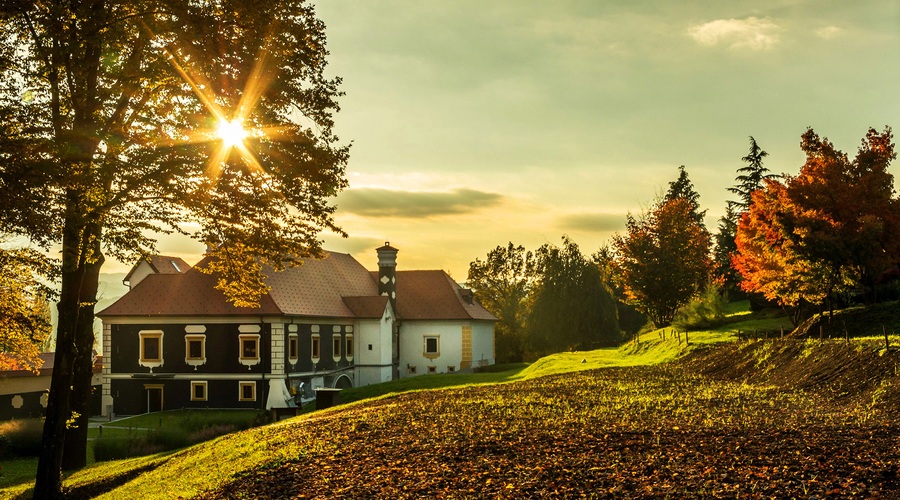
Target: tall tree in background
x,y
24,310
502,283
109,113
663,259
682,187
751,178
571,308
826,231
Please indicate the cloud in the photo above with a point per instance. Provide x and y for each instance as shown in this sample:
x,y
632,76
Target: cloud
x,y
829,32
376,202
752,33
593,222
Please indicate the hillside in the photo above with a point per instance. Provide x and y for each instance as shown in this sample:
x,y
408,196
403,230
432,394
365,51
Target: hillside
x,y
756,419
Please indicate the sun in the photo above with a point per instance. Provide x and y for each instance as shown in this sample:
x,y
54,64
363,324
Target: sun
x,y
231,133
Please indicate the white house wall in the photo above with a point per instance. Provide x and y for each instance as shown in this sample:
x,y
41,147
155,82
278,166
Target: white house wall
x,y
413,359
373,350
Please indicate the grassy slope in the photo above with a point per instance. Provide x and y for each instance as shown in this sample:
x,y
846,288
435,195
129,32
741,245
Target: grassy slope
x,y
176,474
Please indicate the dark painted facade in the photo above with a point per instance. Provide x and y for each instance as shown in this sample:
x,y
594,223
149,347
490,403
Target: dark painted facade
x,y
138,388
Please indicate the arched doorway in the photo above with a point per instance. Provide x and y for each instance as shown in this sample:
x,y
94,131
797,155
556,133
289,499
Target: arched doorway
x,y
343,382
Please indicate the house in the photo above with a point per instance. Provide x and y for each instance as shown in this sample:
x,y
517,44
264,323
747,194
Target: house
x,y
174,341
23,393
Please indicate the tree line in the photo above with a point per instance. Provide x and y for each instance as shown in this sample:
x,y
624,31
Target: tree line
x,y
818,239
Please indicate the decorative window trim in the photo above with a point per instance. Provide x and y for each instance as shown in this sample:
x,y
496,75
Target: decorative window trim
x,y
451,369
150,362
195,361
432,369
348,346
315,347
411,369
246,383
436,353
293,348
336,347
196,384
248,361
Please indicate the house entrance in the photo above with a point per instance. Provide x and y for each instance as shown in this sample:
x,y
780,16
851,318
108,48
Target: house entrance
x,y
154,397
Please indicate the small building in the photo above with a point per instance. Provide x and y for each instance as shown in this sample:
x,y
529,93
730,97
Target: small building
x,y
23,393
174,341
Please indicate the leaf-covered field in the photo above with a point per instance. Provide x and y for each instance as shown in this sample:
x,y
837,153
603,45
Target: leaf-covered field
x,y
662,431
637,432
779,419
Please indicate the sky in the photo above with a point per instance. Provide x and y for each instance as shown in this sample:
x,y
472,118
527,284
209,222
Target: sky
x,y
477,123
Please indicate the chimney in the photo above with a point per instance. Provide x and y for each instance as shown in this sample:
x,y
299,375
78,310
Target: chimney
x,y
387,273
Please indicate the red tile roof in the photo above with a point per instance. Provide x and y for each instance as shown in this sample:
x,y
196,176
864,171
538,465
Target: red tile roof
x,y
190,294
337,286
434,295
367,307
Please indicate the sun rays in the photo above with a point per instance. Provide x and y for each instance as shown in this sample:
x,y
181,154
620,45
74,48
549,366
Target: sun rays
x,y
231,130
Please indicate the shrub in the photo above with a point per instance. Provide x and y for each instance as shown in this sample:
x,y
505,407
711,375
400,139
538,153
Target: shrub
x,y
110,448
211,432
703,312
21,438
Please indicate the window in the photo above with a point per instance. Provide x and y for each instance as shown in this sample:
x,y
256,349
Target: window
x,y
411,369
336,347
451,369
432,369
293,347
247,391
195,349
432,347
249,346
348,346
315,348
198,391
151,348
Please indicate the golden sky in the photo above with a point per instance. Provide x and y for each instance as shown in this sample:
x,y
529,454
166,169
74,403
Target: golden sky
x,y
476,123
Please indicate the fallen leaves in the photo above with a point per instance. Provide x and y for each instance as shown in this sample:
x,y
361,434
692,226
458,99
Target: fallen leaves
x,y
643,432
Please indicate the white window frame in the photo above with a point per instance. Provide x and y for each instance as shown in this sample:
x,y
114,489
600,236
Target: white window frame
x,y
142,359
293,344
194,337
246,383
437,341
348,346
199,383
315,347
336,347
246,336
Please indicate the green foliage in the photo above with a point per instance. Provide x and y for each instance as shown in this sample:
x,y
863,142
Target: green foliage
x,y
501,283
21,438
708,310
571,307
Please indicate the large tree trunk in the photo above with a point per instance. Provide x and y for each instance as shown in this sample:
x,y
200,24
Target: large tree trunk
x,y
75,448
80,277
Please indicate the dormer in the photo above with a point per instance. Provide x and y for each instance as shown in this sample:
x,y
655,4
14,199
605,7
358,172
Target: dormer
x,y
154,264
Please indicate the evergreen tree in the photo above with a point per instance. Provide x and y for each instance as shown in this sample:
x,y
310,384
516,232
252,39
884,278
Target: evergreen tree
x,y
682,187
751,178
